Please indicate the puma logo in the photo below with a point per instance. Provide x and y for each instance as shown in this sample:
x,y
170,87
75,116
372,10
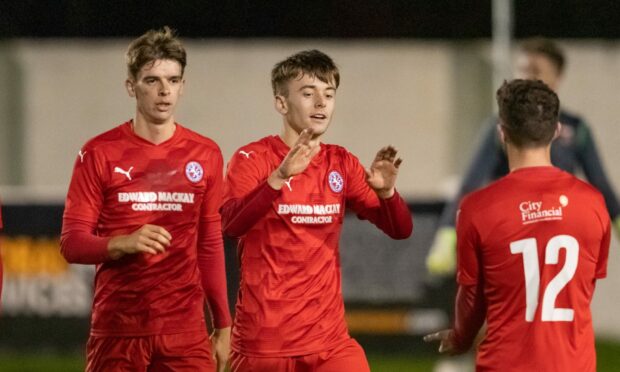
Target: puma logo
x,y
288,184
246,154
125,172
81,154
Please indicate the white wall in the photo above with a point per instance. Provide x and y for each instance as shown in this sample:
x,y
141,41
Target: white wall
x,y
392,93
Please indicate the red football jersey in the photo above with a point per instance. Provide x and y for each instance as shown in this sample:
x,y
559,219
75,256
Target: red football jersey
x,y
290,299
121,182
538,239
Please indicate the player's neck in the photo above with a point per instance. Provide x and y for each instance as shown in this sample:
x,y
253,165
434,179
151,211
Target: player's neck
x,y
290,136
525,158
154,133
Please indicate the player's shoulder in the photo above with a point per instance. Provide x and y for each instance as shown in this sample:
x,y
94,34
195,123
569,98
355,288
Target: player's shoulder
x,y
256,149
198,138
106,138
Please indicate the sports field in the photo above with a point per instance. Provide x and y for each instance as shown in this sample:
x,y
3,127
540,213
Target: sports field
x,y
608,361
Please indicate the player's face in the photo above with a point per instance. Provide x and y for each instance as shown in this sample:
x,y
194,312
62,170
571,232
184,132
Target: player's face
x,y
534,66
157,88
309,104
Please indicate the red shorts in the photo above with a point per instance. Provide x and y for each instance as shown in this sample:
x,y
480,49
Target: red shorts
x,y
190,351
349,357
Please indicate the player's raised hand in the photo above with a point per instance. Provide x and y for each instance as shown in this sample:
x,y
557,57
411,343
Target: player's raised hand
x,y
446,341
147,239
220,343
381,176
297,160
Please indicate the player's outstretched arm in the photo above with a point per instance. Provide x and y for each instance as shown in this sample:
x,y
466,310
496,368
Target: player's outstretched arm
x,y
220,342
147,239
381,176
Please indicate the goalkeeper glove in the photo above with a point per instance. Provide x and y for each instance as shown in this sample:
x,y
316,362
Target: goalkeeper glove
x,y
441,258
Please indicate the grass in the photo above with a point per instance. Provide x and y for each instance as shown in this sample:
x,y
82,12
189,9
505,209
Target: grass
x,y
608,353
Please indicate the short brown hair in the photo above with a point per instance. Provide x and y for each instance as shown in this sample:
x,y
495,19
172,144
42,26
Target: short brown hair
x,y
308,62
154,45
528,111
546,47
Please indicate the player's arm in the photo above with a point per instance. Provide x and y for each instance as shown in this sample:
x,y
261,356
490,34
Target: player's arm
x,y
241,213
79,242
470,304
372,194
211,263
592,166
470,313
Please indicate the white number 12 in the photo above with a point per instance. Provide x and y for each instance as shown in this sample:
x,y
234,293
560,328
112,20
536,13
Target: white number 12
x,y
529,249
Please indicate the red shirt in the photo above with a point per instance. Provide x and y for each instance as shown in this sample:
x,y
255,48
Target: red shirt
x,y
537,239
290,299
121,182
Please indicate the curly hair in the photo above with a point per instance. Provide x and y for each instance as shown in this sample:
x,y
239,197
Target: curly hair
x,y
528,111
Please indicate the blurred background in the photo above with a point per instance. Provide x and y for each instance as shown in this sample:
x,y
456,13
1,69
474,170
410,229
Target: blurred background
x,y
416,74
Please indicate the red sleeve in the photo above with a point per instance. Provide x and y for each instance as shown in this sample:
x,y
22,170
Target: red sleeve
x,y
79,243
240,214
467,244
390,215
469,315
85,196
247,195
211,249
601,263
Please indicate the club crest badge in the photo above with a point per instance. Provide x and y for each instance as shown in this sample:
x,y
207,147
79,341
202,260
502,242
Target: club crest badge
x,y
194,171
336,183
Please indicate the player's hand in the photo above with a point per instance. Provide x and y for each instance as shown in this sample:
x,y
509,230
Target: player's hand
x,y
220,342
150,239
446,341
441,258
297,159
381,176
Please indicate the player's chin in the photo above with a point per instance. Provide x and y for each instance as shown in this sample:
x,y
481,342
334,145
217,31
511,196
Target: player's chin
x,y
318,128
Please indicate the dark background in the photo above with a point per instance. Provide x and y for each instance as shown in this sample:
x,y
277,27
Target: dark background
x,y
431,19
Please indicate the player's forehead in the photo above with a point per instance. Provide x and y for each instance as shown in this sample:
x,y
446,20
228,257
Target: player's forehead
x,y
160,68
309,80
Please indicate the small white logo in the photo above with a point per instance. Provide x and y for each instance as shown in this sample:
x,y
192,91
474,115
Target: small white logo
x,y
246,154
81,154
121,171
194,171
336,183
564,200
288,183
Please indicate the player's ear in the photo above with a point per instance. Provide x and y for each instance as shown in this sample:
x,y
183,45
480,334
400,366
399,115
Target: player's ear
x,y
280,104
182,86
500,134
129,85
558,130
